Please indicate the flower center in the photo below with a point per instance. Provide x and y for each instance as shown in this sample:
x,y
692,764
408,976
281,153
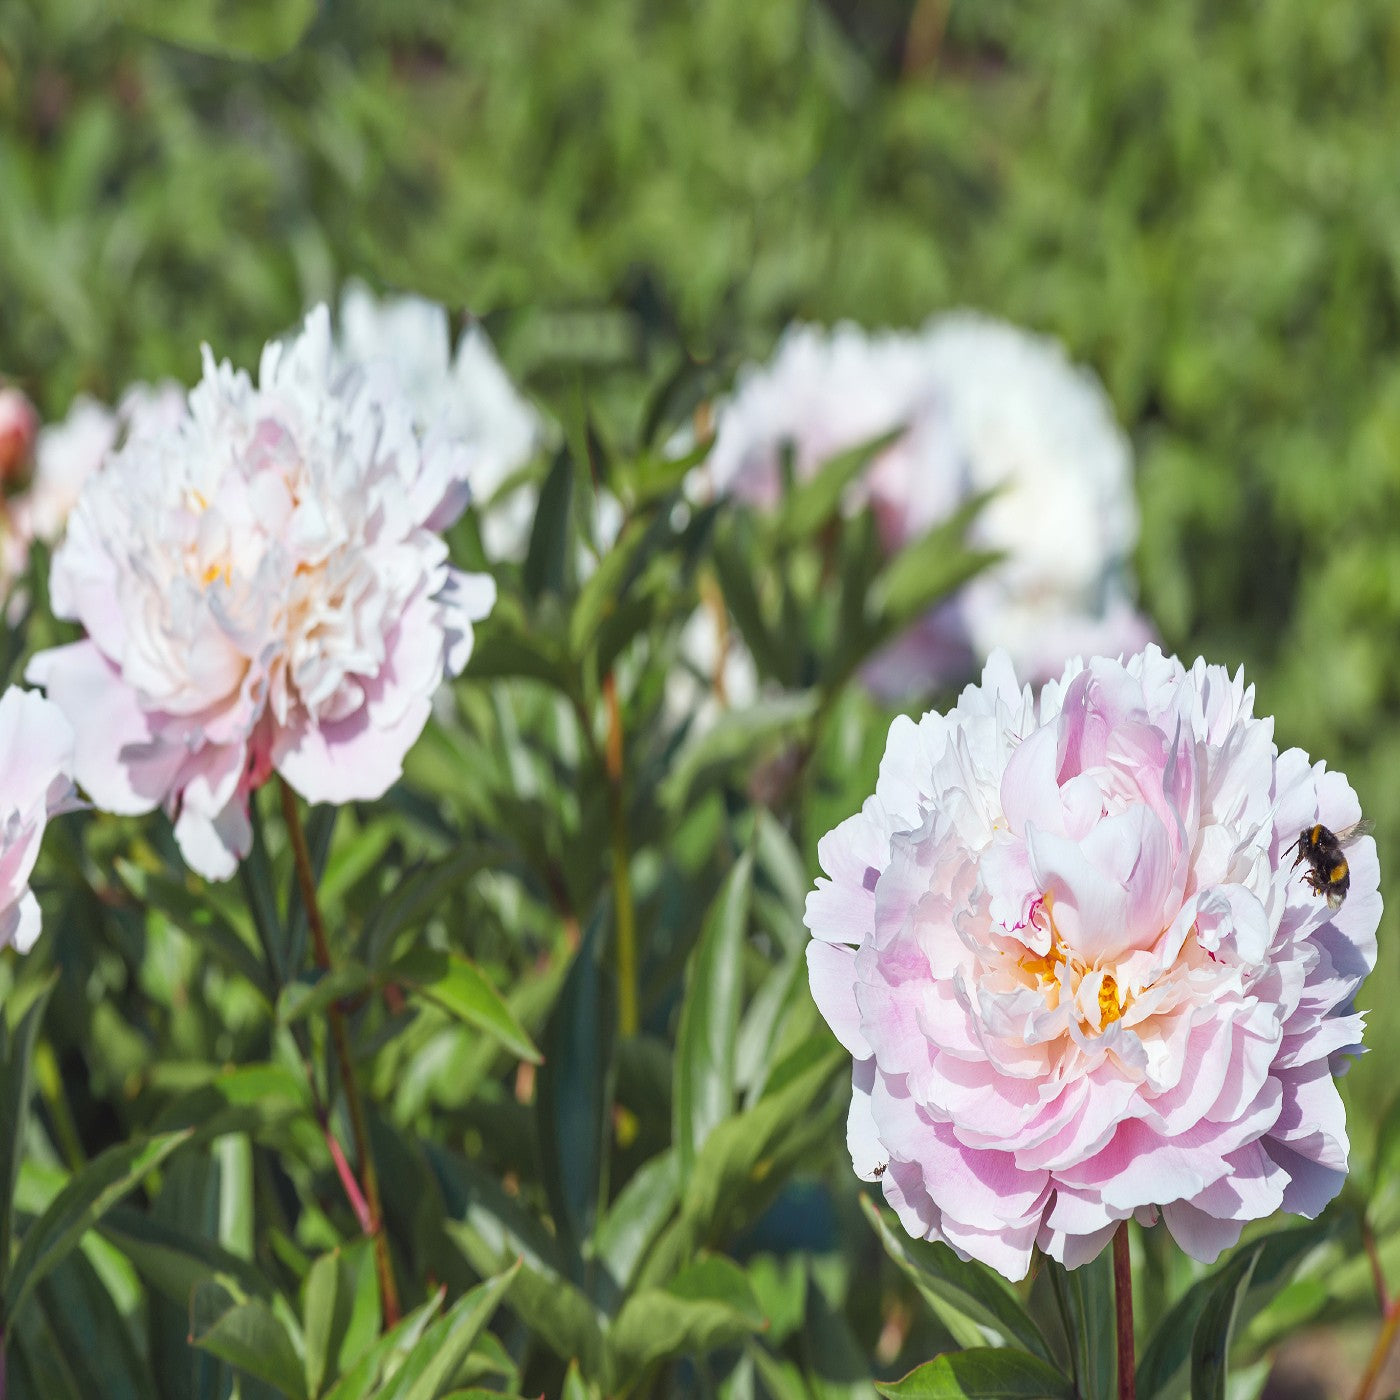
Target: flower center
x,y
1059,975
1109,1009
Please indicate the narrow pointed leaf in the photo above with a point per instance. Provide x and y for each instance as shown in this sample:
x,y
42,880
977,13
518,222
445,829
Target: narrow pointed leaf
x,y
17,1041
971,1301
435,1362
249,1336
463,990
705,1043
573,1091
80,1205
984,1373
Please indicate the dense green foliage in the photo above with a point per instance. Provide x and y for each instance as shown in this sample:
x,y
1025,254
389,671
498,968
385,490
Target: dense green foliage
x,y
1199,199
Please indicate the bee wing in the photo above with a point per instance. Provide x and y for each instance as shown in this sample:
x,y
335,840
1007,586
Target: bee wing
x,y
1355,832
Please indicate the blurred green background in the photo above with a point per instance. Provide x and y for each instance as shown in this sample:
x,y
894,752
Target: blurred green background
x,y
1201,199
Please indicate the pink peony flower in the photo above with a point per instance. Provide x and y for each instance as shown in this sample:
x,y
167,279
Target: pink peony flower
x,y
36,759
982,405
264,587
1078,971
18,425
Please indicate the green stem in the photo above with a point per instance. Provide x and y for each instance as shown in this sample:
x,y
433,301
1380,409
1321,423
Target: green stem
x,y
306,880
1123,1310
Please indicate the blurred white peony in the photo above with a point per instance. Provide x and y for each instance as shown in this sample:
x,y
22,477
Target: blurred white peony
x,y
68,453
983,405
466,396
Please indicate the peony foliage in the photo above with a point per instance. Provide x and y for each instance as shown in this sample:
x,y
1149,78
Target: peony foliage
x,y
462,1030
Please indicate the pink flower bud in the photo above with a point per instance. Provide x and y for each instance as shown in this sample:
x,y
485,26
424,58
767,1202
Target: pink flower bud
x,y
19,424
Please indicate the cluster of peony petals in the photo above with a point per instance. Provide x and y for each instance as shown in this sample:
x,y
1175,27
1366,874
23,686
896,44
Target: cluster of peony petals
x,y
982,406
466,396
1080,977
264,587
36,760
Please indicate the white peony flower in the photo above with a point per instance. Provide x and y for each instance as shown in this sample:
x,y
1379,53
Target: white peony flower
x,y
68,453
263,587
467,396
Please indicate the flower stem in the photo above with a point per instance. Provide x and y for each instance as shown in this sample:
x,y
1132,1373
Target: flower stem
x,y
627,1008
374,1224
1380,1353
1123,1309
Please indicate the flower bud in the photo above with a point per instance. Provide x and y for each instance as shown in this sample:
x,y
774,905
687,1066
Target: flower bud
x,y
19,425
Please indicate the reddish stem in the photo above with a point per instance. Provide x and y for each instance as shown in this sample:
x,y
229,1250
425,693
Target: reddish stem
x,y
347,1179
1390,1321
373,1222
1123,1310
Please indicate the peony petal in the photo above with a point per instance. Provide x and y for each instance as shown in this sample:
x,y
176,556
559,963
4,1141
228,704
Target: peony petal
x,y
831,970
122,762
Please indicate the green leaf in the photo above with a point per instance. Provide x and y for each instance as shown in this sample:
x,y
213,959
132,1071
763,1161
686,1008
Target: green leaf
x,y
805,508
257,1099
975,1304
175,1261
735,550
249,1335
416,896
984,1373
642,1207
89,1194
576,1388
435,1362
196,916
559,1314
549,562
573,1090
1210,1341
706,1306
16,1055
609,584
705,1042
510,647
926,570
255,874
90,1331
313,992
1270,1261
460,988
359,1380
243,29
1086,1294
738,738
747,1158
340,1312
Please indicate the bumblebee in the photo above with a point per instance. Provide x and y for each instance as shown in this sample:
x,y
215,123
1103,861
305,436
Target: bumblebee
x,y
1328,872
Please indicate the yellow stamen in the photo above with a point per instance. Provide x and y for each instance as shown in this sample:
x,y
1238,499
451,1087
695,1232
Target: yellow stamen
x,y
215,571
1109,1009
